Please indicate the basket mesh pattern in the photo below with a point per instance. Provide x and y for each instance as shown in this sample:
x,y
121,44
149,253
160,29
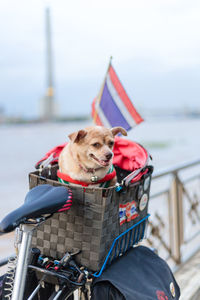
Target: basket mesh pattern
x,y
123,242
91,224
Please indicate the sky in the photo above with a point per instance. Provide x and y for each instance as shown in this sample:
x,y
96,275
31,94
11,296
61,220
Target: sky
x,y
155,47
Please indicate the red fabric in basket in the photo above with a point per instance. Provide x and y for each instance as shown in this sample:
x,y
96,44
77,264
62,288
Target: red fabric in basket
x,y
55,151
128,155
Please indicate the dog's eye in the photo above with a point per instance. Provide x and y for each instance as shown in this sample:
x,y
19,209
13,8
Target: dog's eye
x,y
96,145
111,143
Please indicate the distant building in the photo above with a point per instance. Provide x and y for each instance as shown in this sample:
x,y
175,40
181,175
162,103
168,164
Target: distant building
x,y
48,106
2,114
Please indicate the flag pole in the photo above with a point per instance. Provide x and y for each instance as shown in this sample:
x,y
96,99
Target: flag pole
x,y
110,61
101,91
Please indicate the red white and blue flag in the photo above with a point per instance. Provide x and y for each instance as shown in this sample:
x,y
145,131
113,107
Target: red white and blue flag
x,y
112,107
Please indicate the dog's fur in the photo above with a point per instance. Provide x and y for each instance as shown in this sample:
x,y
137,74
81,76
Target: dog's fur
x,y
89,153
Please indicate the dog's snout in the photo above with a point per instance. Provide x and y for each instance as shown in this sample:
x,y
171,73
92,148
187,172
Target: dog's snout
x,y
108,155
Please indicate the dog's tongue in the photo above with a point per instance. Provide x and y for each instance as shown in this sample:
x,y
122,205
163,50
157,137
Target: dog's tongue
x,y
104,162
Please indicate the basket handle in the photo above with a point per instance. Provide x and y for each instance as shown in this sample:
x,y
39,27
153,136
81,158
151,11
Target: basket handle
x,y
45,163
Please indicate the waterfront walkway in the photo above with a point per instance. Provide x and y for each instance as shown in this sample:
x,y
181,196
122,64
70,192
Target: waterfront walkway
x,y
188,278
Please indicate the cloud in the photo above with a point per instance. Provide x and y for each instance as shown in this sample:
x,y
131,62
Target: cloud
x,y
148,40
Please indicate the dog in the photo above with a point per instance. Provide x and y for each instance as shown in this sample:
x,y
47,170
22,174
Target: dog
x,y
87,158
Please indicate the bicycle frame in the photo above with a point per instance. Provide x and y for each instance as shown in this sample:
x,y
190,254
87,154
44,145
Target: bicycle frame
x,y
22,262
23,244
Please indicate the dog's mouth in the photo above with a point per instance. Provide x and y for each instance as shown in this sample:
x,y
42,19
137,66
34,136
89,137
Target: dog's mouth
x,y
101,162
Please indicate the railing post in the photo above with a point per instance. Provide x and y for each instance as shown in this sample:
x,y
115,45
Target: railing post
x,y
176,217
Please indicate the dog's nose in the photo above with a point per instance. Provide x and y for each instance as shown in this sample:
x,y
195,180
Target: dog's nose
x,y
108,155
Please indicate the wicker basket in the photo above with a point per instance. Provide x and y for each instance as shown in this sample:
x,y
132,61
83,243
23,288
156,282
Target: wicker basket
x,y
96,218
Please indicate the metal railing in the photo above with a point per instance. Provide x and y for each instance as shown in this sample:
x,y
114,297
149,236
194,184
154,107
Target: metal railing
x,y
174,227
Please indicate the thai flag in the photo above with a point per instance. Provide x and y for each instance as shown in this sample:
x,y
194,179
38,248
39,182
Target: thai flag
x,y
112,107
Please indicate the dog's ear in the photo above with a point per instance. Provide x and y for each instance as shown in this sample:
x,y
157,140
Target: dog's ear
x,y
75,137
116,130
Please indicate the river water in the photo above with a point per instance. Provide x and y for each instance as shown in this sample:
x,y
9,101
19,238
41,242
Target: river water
x,y
170,141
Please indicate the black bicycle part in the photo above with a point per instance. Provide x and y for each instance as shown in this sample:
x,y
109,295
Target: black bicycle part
x,y
68,277
63,279
64,276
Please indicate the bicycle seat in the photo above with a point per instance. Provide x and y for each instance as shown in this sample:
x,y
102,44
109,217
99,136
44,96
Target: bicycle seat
x,y
41,200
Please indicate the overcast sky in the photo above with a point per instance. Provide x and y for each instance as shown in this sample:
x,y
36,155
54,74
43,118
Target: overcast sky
x,y
155,46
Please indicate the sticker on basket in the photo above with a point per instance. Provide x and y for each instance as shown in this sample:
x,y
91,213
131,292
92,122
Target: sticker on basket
x,y
127,212
147,183
143,202
122,213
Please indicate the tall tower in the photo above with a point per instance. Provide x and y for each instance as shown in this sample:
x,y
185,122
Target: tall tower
x,y
48,107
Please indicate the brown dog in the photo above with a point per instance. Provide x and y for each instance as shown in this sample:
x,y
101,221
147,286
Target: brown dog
x,y
87,158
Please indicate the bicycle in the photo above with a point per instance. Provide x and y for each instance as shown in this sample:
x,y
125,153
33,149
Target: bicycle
x,y
63,275
118,215
117,218
33,276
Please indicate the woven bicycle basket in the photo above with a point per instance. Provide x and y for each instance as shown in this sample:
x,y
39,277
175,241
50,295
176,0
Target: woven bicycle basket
x,y
97,216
